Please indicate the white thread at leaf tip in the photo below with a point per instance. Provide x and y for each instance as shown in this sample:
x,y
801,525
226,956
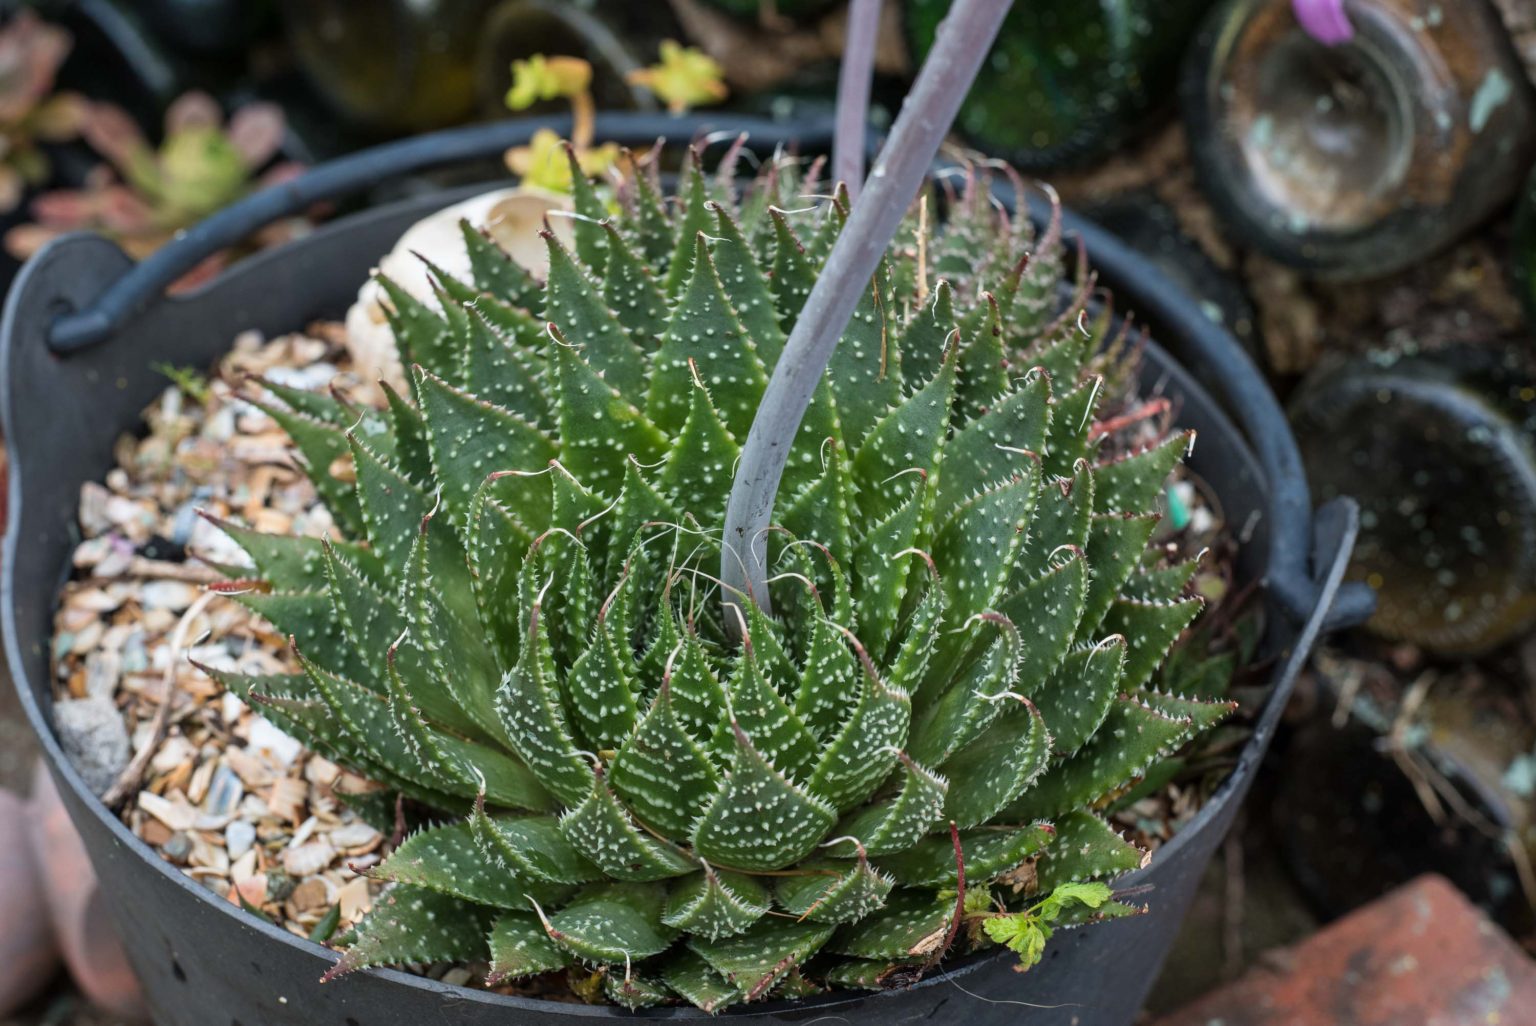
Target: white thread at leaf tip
x,y
712,238
400,640
1093,398
846,837
797,210
1000,696
1105,644
437,503
825,443
597,516
479,779
1082,315
554,336
576,216
1014,449
539,911
904,473
666,671
627,967
791,575
1189,450
695,573
720,135
538,600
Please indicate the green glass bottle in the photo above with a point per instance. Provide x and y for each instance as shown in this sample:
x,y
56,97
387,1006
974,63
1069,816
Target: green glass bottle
x,y
1068,80
390,66
1440,451
1360,158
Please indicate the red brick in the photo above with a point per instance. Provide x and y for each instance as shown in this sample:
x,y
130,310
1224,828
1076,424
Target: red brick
x,y
1421,956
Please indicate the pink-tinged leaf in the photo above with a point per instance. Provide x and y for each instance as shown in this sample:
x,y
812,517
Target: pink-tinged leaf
x,y
256,132
111,132
190,110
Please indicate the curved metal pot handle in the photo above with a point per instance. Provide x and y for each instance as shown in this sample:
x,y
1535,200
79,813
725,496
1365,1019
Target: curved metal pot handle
x,y
1290,577
147,282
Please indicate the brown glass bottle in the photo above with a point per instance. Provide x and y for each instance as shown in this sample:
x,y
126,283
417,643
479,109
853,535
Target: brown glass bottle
x,y
1357,159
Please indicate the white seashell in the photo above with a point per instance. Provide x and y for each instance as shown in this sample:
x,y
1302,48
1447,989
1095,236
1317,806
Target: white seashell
x,y
513,217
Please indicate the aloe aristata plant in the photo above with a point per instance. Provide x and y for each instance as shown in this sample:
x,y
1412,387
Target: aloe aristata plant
x,y
520,626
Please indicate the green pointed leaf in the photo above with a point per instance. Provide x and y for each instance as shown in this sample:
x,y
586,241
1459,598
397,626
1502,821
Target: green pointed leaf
x,y
661,774
1072,412
606,833
471,439
520,947
746,286
576,306
759,712
1052,606
446,859
759,820
833,891
1150,629
634,991
600,692
862,753
705,330
1086,848
1061,520
883,562
412,924
794,275
714,905
496,273
1116,543
753,961
823,511
907,438
501,369
611,923
1132,737
632,294
600,429
702,464
865,369
1079,694
421,334
996,767
698,983
926,336
992,448
693,220
983,362
531,849
975,549
1132,484
534,721
988,852
911,926
591,227
897,823
320,447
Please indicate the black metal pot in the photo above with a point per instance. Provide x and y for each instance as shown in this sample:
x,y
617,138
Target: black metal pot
x,y
79,333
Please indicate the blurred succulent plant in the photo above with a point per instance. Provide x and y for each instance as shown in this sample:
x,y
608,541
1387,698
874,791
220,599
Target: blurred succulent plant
x,y
518,631
542,164
684,77
144,194
30,112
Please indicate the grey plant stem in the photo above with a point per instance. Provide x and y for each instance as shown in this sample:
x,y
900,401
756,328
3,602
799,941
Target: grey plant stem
x,y
960,45
853,86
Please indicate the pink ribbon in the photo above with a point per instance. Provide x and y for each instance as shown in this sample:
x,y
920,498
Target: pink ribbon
x,y
1324,20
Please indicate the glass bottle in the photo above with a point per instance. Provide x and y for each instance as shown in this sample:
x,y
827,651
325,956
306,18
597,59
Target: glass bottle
x,y
390,66
1068,80
1440,451
1357,159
